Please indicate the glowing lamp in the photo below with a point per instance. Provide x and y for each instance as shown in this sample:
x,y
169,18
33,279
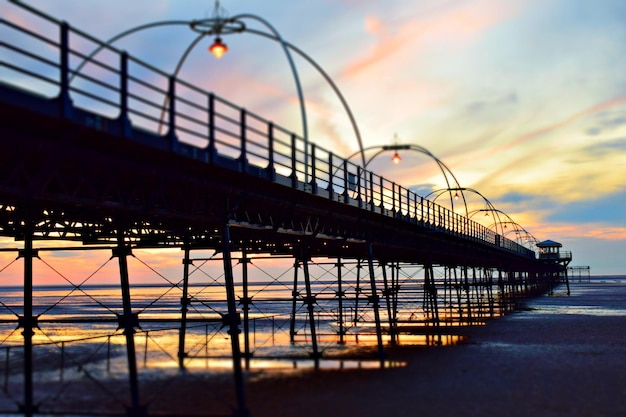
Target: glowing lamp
x,y
456,196
218,48
396,158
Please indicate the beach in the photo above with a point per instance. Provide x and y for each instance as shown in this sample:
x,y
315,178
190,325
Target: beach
x,y
557,355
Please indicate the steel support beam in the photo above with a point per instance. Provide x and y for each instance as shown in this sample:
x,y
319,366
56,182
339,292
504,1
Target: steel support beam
x,y
28,322
128,321
375,306
233,324
184,302
310,305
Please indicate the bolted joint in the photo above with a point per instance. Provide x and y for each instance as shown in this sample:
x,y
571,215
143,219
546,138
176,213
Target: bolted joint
x,y
128,322
340,293
226,320
373,299
27,322
309,300
122,251
245,302
315,355
22,253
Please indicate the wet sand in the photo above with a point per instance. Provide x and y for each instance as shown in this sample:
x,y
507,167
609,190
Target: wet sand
x,y
557,356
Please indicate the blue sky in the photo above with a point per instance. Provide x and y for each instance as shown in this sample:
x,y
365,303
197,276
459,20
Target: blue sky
x,y
525,100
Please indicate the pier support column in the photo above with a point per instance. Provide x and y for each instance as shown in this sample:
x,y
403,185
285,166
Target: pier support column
x,y
566,281
387,292
375,307
184,304
357,294
128,321
430,291
28,322
466,286
340,295
246,301
233,324
459,296
310,305
294,301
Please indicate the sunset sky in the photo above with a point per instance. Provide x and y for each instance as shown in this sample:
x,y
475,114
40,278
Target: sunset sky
x,y
524,100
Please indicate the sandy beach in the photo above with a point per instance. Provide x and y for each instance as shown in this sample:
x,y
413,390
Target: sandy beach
x,y
556,356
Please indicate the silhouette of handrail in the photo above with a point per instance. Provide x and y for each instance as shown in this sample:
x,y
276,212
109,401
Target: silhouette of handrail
x,y
210,129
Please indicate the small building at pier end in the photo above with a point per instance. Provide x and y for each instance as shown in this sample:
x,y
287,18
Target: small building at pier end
x,y
550,252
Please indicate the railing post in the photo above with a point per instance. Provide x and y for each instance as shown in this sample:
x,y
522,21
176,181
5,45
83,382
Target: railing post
x,y
64,94
171,123
358,185
313,170
271,172
393,198
345,181
294,167
331,176
211,116
382,195
371,191
243,155
124,119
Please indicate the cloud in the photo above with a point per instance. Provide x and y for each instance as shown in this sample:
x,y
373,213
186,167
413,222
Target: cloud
x,y
455,25
606,122
600,150
603,218
609,210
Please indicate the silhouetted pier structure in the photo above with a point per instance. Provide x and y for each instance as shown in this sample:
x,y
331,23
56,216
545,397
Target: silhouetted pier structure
x,y
82,161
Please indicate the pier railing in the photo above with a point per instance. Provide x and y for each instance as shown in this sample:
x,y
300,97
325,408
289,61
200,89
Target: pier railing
x,y
135,100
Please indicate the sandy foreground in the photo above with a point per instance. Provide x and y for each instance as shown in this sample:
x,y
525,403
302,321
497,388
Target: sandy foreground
x,y
556,356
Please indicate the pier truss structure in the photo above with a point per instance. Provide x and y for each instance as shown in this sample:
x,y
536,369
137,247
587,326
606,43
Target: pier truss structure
x,y
287,251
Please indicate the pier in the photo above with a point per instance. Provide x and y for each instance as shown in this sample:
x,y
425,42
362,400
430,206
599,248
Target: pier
x,y
346,257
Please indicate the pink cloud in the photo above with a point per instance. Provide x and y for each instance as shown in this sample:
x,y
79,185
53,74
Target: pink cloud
x,y
457,24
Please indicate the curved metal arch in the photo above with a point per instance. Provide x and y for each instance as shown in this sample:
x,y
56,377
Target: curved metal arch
x,y
274,36
384,148
346,107
440,191
121,35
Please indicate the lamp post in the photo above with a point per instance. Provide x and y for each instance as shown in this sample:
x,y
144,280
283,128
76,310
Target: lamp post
x,y
396,159
219,25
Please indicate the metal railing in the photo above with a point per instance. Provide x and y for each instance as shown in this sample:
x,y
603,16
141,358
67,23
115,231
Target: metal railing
x,y
129,96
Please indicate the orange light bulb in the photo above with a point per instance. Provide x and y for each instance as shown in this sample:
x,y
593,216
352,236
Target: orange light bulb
x,y
218,49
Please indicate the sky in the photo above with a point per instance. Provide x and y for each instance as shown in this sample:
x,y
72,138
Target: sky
x,y
524,100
